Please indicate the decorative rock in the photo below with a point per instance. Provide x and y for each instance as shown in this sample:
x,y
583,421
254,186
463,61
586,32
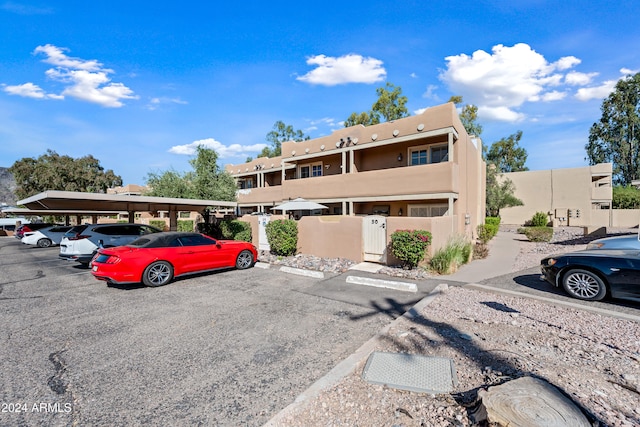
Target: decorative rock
x,y
528,401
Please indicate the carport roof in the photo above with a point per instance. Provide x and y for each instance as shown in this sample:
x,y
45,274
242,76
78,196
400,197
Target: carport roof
x,y
27,212
100,202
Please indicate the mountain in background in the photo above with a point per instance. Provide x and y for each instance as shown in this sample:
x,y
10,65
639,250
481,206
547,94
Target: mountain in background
x,y
7,188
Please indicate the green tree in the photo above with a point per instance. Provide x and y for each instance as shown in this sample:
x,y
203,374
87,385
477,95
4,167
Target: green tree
x,y
468,116
507,155
616,137
207,181
210,181
169,183
279,134
500,192
52,171
364,118
390,105
625,197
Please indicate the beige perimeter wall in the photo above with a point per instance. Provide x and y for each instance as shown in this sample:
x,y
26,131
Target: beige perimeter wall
x,y
338,236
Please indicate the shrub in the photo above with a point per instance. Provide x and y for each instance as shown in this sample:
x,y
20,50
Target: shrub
x,y
159,224
185,225
487,232
539,219
244,235
539,234
210,229
282,235
480,251
457,252
235,230
492,220
409,246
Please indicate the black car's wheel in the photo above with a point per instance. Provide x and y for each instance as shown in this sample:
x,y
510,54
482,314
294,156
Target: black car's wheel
x,y
44,243
244,260
158,273
584,285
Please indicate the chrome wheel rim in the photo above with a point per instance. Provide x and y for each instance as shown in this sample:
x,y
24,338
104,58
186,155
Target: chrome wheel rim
x,y
583,285
159,274
244,260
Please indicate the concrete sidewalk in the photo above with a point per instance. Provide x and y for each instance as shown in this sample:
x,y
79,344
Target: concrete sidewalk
x,y
503,251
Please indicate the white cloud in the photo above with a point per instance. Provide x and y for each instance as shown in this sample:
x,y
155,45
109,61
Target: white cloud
x,y
596,92
628,72
56,56
420,111
154,103
567,62
553,96
83,80
21,9
575,78
29,90
222,150
352,68
413,75
429,94
500,82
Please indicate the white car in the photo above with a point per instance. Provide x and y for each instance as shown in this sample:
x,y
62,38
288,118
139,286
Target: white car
x,y
45,237
81,242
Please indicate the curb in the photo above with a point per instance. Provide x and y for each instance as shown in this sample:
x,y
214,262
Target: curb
x,y
348,365
597,310
302,272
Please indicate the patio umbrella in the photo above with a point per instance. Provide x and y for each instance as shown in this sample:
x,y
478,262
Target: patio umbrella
x,y
299,204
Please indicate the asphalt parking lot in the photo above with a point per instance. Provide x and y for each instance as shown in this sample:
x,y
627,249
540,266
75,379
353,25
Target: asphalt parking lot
x,y
226,348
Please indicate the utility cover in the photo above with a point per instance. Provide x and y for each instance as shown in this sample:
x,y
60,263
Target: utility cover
x,y
422,374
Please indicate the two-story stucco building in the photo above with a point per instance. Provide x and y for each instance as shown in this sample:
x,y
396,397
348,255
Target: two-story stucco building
x,y
420,166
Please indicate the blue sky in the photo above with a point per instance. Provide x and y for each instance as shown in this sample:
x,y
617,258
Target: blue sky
x,y
137,84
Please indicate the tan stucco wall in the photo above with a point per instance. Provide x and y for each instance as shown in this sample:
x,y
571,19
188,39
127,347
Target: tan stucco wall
x,y
333,236
554,192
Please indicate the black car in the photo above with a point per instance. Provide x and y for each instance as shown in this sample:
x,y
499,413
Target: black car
x,y
593,275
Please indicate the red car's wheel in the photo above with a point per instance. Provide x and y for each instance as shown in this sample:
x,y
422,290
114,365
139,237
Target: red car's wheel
x,y
244,260
158,273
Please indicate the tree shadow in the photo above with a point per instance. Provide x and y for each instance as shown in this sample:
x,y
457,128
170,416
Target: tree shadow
x,y
504,365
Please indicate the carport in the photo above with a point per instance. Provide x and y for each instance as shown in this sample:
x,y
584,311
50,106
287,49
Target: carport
x,y
67,202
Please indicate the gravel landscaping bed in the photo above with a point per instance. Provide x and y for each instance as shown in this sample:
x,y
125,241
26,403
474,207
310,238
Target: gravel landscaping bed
x,y
593,359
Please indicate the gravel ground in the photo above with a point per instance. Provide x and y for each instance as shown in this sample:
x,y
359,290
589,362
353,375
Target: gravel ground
x,y
593,359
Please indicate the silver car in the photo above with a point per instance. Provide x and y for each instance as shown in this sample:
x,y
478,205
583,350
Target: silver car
x,y
82,242
631,241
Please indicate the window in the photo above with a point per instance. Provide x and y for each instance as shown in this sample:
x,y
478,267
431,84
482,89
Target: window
x,y
428,210
424,154
439,154
311,169
246,183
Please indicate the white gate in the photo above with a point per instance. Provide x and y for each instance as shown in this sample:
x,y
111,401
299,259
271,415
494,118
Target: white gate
x,y
263,242
374,238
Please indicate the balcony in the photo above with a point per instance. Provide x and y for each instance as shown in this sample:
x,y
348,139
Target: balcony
x,y
264,195
602,193
424,179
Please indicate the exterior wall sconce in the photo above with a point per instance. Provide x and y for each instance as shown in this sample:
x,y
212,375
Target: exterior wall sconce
x,y
400,212
400,157
327,166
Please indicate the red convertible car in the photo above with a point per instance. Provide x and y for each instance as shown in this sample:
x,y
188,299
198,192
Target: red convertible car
x,y
155,259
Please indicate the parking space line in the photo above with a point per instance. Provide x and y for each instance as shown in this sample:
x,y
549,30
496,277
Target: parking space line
x,y
400,286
